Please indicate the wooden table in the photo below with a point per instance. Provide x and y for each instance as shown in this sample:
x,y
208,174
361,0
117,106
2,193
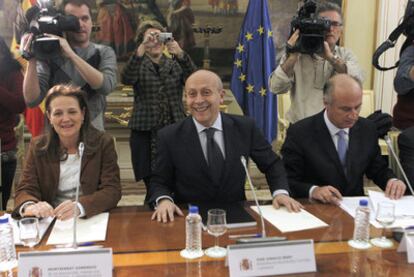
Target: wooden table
x,y
143,247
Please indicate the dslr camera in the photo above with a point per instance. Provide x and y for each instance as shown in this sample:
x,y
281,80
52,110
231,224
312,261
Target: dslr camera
x,y
406,27
47,20
409,18
312,29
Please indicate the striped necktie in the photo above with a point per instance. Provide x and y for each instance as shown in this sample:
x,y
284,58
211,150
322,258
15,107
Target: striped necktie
x,y
342,147
214,156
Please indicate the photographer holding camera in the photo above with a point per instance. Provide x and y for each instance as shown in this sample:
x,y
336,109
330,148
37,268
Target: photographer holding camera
x,y
305,69
158,83
80,62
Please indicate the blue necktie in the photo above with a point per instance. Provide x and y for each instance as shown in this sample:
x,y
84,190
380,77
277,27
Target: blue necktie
x,y
342,147
214,156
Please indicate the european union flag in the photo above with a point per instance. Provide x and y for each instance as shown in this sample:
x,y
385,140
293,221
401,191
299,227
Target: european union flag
x,y
254,61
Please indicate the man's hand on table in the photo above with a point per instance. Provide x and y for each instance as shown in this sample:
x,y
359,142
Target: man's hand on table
x,y
327,195
395,189
284,200
165,211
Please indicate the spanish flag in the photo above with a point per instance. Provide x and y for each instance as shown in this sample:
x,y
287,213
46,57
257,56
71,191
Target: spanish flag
x,y
34,117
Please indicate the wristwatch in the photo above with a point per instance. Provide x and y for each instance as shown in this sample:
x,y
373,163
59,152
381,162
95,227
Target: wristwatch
x,y
290,49
335,59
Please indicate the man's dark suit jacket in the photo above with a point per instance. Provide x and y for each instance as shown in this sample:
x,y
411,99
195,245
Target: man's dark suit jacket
x,y
181,170
311,158
406,146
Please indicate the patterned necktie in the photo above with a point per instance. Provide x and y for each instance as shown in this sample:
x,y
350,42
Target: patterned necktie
x,y
214,156
342,147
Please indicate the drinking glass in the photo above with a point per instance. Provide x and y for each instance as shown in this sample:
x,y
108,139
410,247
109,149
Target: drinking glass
x,y
385,216
216,226
29,231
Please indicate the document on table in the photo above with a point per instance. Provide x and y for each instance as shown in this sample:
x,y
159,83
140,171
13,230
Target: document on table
x,y
44,224
91,229
350,204
286,221
403,206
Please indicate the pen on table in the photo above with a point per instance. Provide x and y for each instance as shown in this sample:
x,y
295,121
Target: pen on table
x,y
88,243
245,236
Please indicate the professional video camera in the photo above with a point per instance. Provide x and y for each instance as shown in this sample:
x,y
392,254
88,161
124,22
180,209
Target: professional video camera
x,y
312,29
406,28
45,19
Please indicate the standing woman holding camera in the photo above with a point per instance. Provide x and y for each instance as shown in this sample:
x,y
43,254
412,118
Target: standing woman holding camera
x,y
11,104
158,83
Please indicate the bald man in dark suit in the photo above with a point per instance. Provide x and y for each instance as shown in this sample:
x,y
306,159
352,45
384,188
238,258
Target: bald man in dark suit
x,y
186,171
327,155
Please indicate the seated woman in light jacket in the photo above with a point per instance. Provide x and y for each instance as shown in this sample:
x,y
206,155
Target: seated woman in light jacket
x,y
54,167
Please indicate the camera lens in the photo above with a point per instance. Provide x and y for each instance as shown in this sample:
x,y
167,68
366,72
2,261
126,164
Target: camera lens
x,y
311,43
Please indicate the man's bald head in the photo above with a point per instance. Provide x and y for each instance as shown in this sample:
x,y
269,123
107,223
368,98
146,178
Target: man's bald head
x,y
206,75
340,82
342,96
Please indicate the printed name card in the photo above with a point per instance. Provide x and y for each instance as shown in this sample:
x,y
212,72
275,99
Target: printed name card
x,y
407,244
64,262
272,258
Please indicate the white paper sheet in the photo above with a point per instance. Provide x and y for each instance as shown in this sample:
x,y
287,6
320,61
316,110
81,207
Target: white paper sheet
x,y
44,224
286,221
91,229
350,204
403,206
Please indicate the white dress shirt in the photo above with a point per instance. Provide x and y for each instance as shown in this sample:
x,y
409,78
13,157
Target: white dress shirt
x,y
218,135
333,131
219,139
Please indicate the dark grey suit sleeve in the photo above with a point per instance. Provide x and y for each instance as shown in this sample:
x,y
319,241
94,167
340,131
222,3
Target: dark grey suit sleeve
x,y
163,174
402,81
406,146
268,162
294,159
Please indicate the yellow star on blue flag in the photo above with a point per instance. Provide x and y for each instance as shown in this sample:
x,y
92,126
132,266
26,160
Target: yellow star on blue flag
x,y
238,62
260,30
254,61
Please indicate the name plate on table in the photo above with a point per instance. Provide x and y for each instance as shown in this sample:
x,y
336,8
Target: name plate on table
x,y
273,258
57,263
407,245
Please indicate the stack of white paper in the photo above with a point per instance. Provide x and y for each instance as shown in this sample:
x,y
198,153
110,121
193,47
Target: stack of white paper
x,y
91,229
404,208
287,221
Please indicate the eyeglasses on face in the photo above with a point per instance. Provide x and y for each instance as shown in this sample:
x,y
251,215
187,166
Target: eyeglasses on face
x,y
336,24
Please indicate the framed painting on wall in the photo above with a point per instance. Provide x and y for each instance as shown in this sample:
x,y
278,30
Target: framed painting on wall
x,y
183,17
189,20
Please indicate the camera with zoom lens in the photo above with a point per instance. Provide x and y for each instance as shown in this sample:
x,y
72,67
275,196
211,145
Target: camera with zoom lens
x,y
48,21
409,18
406,27
313,29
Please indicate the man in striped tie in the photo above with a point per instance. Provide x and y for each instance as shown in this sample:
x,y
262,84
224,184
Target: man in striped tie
x,y
199,159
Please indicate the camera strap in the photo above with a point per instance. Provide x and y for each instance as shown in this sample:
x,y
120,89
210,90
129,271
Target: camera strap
x,y
389,43
94,61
